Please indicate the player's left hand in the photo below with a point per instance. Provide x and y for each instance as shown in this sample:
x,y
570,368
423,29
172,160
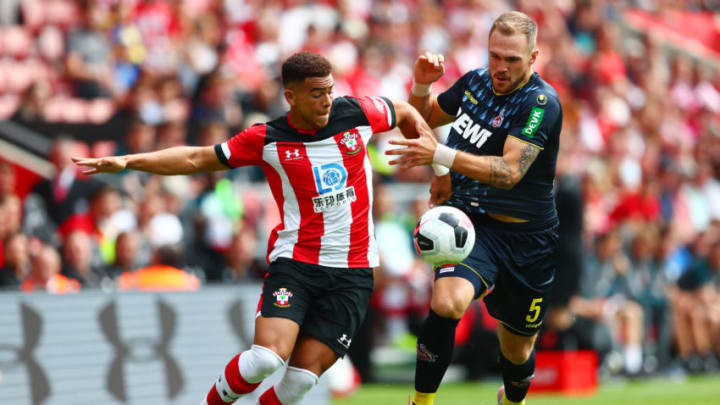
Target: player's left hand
x,y
108,164
416,152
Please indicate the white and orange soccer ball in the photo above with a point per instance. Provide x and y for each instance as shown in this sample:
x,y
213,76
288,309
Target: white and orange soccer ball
x,y
444,235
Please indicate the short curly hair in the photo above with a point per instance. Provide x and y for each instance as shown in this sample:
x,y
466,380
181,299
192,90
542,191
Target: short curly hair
x,y
304,64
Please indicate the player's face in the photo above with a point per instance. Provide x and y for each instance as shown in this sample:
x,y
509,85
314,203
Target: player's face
x,y
310,102
510,61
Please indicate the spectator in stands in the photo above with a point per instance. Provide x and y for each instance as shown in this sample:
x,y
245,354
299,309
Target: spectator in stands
x,y
77,260
214,100
10,215
32,102
128,255
648,286
89,55
713,302
7,179
240,262
164,274
139,138
170,134
66,193
17,261
392,294
693,302
45,274
102,222
607,316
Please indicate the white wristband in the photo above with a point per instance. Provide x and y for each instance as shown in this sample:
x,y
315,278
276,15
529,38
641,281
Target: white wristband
x,y
420,90
440,170
444,155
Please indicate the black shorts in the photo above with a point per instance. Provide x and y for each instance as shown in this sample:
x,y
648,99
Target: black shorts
x,y
513,268
328,303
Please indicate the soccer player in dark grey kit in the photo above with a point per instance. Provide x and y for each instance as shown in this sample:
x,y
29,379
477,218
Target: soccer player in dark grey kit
x,y
502,150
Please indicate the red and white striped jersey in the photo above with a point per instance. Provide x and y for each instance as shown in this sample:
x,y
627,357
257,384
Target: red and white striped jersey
x,y
321,181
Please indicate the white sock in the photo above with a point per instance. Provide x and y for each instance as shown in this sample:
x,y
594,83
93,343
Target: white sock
x,y
633,358
258,363
294,385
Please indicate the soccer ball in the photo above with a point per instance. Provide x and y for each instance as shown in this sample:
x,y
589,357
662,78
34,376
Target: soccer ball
x,y
444,235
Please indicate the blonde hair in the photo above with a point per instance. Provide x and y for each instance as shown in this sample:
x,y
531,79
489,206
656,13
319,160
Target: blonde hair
x,y
515,22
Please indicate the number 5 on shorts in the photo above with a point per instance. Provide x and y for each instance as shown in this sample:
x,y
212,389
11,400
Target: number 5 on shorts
x,y
534,311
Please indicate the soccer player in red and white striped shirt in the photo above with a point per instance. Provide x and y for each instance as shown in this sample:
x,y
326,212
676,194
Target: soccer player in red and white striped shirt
x,y
322,253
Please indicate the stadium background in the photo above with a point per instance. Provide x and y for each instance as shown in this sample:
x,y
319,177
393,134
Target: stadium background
x,y
638,191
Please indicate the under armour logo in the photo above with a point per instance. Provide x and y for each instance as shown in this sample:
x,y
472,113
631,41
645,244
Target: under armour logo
x,y
124,351
32,330
292,154
344,340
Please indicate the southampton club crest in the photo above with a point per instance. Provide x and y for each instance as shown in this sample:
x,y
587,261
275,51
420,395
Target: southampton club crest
x,y
350,140
282,297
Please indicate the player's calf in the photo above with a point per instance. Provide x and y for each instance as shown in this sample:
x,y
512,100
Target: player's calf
x,y
291,389
517,378
243,374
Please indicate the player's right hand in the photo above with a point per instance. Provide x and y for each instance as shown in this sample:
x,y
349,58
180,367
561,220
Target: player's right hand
x,y
440,190
429,67
107,164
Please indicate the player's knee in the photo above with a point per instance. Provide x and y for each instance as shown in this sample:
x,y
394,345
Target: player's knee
x,y
450,303
517,355
295,384
449,307
258,363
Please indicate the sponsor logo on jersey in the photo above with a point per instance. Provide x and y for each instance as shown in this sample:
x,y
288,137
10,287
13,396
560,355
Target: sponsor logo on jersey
x,y
329,177
468,129
345,340
533,325
470,97
282,297
350,141
497,121
541,99
533,122
335,200
446,269
292,154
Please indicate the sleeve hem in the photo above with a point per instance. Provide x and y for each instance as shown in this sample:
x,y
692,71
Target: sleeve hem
x,y
221,156
527,142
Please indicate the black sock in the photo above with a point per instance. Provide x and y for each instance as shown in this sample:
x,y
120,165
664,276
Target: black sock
x,y
434,351
516,378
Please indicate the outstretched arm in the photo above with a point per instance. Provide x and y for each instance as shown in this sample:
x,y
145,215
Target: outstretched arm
x,y
498,171
409,120
177,160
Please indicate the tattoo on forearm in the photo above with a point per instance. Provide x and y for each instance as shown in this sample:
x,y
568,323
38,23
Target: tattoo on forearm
x,y
527,157
500,173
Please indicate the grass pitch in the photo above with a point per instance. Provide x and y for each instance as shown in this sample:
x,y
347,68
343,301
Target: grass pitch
x,y
692,391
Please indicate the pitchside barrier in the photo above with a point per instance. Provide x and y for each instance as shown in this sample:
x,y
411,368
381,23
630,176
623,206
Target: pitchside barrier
x,y
137,348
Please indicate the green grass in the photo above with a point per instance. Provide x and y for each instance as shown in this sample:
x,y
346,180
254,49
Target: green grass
x,y
694,391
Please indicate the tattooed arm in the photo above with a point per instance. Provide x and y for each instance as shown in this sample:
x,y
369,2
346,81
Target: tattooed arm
x,y
499,171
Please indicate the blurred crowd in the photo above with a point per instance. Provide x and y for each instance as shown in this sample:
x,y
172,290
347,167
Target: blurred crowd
x,y
638,192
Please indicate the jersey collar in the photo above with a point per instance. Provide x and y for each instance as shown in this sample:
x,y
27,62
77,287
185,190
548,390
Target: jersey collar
x,y
300,130
516,88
